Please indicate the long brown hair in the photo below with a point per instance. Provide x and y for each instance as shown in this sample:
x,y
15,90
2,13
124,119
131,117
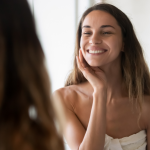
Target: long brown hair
x,y
26,113
134,68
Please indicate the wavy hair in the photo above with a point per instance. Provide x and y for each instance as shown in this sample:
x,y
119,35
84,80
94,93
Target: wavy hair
x,y
26,112
134,68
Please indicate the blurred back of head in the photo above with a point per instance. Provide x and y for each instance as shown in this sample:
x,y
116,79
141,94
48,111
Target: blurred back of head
x,y
26,113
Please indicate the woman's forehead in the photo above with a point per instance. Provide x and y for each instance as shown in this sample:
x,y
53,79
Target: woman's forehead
x,y
99,17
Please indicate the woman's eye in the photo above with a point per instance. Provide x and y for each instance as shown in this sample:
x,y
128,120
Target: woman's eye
x,y
86,33
106,33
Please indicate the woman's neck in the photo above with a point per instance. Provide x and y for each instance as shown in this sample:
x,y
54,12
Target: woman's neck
x,y
115,84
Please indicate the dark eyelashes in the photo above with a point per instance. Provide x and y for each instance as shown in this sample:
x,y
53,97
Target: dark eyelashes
x,y
86,33
104,33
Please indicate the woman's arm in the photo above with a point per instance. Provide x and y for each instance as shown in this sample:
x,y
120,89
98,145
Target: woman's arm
x,y
72,128
94,136
76,136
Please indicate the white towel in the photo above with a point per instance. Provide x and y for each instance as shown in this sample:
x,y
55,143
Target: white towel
x,y
133,142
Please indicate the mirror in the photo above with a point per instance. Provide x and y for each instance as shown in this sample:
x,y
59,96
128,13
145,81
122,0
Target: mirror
x,y
56,23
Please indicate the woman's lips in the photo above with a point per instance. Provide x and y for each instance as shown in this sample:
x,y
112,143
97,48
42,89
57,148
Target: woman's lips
x,y
96,51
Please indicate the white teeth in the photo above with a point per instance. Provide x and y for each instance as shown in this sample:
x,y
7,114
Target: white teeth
x,y
98,51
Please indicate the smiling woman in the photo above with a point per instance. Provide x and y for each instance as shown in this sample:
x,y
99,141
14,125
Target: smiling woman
x,y
107,95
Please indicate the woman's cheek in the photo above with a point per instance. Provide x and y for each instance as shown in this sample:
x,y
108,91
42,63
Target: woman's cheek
x,y
81,42
114,44
117,45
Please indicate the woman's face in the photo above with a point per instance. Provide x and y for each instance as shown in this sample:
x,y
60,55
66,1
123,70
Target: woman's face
x,y
101,39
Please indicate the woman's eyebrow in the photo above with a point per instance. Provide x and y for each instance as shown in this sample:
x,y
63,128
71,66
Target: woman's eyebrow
x,y
86,26
103,26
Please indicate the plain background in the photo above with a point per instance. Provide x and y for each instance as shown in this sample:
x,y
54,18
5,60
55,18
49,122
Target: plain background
x,y
57,20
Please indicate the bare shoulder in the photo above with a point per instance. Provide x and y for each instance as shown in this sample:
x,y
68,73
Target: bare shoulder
x,y
67,95
70,97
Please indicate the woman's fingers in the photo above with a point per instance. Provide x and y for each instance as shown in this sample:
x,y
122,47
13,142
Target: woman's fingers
x,y
94,75
86,71
82,60
79,63
96,69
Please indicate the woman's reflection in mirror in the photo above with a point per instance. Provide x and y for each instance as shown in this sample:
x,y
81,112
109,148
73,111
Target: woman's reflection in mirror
x,y
106,97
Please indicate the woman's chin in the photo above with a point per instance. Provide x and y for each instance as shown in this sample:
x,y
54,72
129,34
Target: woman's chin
x,y
94,64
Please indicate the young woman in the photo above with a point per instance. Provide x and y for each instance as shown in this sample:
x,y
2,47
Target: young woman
x,y
26,113
107,95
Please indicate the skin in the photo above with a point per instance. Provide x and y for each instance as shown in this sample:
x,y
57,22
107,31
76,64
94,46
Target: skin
x,y
100,106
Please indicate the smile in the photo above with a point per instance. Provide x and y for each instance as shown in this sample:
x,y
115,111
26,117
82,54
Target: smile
x,y
96,51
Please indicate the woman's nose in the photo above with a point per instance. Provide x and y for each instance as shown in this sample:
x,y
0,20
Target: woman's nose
x,y
95,39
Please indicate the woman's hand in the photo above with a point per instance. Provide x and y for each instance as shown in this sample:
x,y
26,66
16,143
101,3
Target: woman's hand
x,y
94,137
94,75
